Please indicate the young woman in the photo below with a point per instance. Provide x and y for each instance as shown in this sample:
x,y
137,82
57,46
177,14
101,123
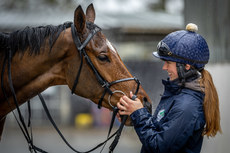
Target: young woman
x,y
189,107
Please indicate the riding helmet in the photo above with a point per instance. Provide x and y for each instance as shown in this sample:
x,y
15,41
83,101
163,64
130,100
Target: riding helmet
x,y
184,46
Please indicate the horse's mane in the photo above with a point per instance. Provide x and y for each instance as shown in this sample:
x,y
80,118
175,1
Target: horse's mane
x,y
32,38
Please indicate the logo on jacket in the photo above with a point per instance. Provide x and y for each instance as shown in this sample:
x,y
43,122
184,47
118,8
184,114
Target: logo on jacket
x,y
160,114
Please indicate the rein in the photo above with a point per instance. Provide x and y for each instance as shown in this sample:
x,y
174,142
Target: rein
x,y
105,84
21,122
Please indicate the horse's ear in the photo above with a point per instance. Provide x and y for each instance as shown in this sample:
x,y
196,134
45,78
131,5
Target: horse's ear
x,y
79,20
90,13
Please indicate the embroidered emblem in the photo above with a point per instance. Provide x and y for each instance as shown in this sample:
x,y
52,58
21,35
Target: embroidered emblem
x,y
160,114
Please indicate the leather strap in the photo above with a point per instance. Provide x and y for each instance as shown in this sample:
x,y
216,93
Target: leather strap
x,y
62,136
20,121
116,139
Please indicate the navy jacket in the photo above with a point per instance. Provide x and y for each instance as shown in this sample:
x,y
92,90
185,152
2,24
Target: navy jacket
x,y
177,124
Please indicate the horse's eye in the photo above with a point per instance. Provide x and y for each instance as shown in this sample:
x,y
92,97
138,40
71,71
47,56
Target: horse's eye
x,y
103,58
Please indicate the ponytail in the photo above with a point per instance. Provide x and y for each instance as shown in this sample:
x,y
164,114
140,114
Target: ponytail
x,y
210,105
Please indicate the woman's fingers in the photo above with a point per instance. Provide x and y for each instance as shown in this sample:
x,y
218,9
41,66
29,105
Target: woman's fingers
x,y
121,107
126,105
124,101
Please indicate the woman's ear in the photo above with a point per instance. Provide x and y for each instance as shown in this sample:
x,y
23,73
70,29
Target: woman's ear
x,y
187,66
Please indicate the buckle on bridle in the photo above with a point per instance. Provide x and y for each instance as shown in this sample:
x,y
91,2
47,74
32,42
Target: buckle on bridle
x,y
137,80
106,84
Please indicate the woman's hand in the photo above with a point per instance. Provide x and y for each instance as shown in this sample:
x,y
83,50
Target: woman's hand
x,y
127,106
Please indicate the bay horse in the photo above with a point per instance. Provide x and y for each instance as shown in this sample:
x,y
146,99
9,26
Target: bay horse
x,y
47,56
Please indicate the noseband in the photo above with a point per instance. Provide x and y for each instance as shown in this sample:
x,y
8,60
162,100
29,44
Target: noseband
x,y
104,84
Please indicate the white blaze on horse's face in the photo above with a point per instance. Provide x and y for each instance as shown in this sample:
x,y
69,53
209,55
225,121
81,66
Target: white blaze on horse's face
x,y
110,46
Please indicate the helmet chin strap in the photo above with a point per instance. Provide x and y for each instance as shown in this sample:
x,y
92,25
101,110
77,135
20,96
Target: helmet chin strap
x,y
183,73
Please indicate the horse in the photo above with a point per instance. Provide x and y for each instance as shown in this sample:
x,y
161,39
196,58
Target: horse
x,y
47,56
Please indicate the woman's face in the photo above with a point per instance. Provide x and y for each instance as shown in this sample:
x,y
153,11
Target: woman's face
x,y
170,67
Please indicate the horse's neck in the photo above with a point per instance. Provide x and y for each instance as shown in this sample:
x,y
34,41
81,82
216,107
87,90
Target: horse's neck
x,y
33,74
29,69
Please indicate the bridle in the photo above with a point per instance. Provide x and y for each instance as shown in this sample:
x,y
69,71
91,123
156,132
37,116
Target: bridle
x,y
81,48
105,84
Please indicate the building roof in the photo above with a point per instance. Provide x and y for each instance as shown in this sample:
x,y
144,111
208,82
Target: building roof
x,y
126,20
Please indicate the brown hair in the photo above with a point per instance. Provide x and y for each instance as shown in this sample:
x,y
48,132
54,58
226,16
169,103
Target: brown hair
x,y
211,105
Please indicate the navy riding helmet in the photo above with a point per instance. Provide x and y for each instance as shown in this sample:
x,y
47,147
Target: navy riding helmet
x,y
184,46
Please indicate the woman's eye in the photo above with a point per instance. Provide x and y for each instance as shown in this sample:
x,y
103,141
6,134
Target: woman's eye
x,y
103,58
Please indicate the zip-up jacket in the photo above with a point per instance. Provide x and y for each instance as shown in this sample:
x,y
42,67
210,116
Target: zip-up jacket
x,y
177,124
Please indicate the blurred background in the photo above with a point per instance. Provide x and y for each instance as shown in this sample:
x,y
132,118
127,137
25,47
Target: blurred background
x,y
134,27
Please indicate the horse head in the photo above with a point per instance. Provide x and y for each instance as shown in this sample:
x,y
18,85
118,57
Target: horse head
x,y
104,58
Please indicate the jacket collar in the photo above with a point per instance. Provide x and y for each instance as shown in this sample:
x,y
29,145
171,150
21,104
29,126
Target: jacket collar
x,y
174,87
171,87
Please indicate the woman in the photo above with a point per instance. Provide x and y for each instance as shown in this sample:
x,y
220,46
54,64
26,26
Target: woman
x,y
189,107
